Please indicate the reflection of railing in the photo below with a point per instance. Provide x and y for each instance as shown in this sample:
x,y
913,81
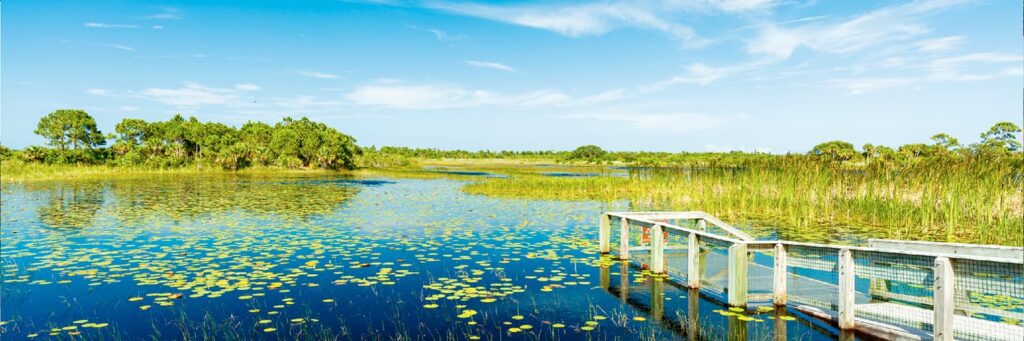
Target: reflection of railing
x,y
955,290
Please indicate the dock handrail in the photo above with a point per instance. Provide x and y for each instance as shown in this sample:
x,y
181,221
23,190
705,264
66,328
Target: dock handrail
x,y
955,273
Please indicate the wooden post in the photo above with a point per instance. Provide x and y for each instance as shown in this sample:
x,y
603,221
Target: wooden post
x,y
943,296
846,289
702,225
657,300
779,282
605,238
692,314
693,261
738,275
657,249
624,240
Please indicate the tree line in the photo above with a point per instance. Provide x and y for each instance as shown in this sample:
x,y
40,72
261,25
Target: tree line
x,y
73,138
292,143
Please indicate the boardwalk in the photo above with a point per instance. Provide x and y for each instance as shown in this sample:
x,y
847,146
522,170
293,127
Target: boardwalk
x,y
891,289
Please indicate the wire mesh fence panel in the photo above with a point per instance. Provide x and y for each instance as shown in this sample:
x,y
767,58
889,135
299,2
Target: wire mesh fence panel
x,y
760,272
714,263
677,254
989,300
640,244
812,276
894,289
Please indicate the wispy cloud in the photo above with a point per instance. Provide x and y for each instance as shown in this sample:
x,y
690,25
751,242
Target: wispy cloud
x,y
490,65
103,25
439,34
604,97
578,19
951,68
320,75
671,122
887,25
963,68
166,13
192,94
939,44
399,95
118,46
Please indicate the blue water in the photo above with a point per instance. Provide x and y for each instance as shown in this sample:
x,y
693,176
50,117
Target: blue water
x,y
303,257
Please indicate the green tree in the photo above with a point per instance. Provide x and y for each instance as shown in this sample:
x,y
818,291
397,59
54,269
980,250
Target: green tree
x,y
589,153
66,127
1002,137
834,150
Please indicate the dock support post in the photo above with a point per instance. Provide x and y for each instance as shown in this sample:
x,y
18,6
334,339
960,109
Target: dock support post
x,y
702,225
606,233
943,297
779,280
738,275
846,289
657,249
624,240
693,261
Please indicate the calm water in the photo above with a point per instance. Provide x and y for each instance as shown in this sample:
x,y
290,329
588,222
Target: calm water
x,y
328,257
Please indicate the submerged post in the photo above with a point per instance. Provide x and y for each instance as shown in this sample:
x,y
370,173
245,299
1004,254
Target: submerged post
x,y
693,261
943,297
779,280
605,238
624,239
657,249
846,289
738,275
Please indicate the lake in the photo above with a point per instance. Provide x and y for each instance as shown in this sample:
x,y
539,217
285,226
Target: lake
x,y
319,256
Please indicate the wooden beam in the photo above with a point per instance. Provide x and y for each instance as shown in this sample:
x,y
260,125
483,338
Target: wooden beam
x,y
605,237
693,261
624,239
846,289
728,228
779,278
657,250
738,275
951,250
943,299
702,225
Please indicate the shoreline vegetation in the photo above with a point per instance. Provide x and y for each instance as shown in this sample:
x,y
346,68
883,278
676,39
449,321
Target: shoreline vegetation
x,y
940,191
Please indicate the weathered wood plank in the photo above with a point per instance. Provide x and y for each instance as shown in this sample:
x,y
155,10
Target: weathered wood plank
x,y
846,290
779,276
943,291
738,275
693,261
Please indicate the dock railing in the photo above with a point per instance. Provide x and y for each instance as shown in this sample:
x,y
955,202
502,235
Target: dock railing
x,y
889,289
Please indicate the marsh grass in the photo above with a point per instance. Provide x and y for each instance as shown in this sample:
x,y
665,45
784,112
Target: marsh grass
x,y
956,201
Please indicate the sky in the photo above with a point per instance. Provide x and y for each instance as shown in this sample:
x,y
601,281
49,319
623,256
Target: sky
x,y
686,75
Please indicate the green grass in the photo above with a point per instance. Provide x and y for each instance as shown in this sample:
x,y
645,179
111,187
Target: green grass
x,y
812,201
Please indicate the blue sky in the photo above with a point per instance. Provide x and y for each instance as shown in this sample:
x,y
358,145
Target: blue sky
x,y
685,75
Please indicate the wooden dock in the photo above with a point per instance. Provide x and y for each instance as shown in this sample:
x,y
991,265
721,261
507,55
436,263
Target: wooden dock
x,y
889,289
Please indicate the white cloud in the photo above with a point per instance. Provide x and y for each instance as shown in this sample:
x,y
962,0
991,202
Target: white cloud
x,y
873,29
490,65
398,95
167,13
670,122
193,94
939,44
607,96
579,19
951,68
102,25
157,27
119,47
321,75
439,34
858,86
98,92
247,87
743,5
